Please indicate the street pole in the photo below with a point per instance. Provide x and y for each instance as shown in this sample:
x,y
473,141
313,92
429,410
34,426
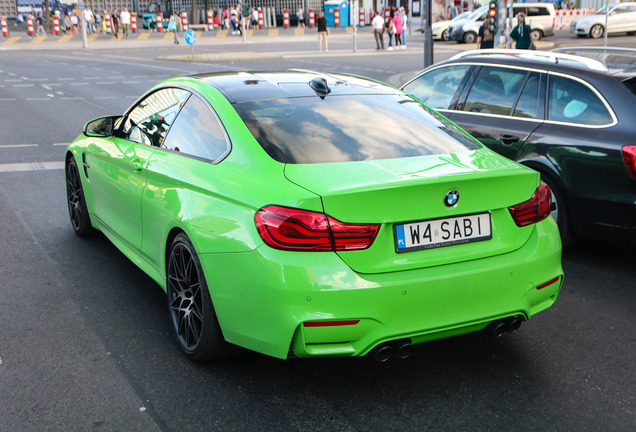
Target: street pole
x,y
83,27
354,13
606,15
428,34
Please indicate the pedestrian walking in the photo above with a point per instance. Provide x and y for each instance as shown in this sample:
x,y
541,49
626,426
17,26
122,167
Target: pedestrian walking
x,y
300,14
321,23
174,25
125,21
521,33
377,25
485,38
40,26
114,23
89,20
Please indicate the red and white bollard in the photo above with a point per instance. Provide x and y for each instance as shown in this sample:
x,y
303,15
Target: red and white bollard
x,y
56,25
184,20
133,22
387,13
210,20
361,17
108,29
5,31
336,17
312,18
261,18
30,25
286,18
159,22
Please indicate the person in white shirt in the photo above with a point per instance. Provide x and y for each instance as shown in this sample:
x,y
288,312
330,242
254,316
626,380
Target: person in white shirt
x,y
377,26
125,21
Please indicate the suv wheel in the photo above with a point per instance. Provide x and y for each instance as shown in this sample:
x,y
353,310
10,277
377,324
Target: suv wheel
x,y
470,37
597,31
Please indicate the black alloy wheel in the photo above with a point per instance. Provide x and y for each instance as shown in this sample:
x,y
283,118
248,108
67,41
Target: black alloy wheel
x,y
192,315
75,198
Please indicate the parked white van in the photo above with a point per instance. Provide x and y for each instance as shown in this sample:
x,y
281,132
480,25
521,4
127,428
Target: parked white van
x,y
539,16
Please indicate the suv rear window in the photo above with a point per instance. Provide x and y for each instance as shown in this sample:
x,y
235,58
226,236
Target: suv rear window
x,y
350,128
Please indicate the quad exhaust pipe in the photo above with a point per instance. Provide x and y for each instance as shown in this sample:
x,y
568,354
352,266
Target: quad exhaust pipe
x,y
400,349
499,327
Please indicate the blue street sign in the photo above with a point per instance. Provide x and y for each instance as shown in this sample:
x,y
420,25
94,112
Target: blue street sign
x,y
190,37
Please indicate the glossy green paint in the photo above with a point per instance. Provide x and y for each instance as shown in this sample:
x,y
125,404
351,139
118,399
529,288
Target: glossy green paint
x,y
140,197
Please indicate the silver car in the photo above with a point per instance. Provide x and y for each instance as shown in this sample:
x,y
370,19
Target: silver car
x,y
621,18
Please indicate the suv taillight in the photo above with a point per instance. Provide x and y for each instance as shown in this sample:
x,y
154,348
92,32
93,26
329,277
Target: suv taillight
x,y
302,230
535,209
629,156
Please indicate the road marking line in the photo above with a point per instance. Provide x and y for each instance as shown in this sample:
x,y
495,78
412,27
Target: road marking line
x,y
18,145
71,98
80,84
23,85
31,166
61,144
7,99
105,82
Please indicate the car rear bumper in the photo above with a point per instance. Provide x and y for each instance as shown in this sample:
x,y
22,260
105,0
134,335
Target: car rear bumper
x,y
606,220
264,298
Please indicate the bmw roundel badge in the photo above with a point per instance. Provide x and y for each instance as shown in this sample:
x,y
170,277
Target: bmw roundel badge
x,y
451,198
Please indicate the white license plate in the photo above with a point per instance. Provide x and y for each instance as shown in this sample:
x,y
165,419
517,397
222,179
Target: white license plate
x,y
438,233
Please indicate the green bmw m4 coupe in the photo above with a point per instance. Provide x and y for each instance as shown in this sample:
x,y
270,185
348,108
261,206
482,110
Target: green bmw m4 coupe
x,y
305,214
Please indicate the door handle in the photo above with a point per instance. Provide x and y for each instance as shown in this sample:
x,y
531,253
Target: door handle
x,y
136,165
508,139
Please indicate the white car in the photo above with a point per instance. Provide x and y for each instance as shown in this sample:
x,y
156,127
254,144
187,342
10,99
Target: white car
x,y
440,28
621,18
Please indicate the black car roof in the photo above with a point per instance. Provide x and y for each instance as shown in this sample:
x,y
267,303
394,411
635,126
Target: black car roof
x,y
258,85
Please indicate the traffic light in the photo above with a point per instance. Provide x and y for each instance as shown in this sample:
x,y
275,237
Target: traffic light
x,y
493,11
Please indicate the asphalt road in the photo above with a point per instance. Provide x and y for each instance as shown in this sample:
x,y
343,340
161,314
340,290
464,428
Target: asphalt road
x,y
84,336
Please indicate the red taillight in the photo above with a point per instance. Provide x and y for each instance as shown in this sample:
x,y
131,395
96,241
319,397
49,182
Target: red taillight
x,y
535,209
295,229
629,156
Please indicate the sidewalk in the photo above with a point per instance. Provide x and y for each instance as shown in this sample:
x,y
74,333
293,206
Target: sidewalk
x,y
19,35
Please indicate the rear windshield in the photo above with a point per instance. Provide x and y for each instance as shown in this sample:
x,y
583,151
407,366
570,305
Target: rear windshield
x,y
350,128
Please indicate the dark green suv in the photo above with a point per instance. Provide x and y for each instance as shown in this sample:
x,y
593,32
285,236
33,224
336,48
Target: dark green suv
x,y
567,116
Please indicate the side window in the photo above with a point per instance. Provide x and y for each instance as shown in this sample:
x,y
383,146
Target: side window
x,y
150,120
528,104
573,102
495,90
538,11
197,132
620,10
437,88
516,10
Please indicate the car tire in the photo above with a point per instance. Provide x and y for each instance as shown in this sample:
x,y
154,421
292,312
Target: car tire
x,y
77,210
536,35
597,31
560,212
470,37
192,316
445,35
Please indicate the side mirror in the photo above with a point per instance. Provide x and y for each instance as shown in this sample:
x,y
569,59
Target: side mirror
x,y
101,127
